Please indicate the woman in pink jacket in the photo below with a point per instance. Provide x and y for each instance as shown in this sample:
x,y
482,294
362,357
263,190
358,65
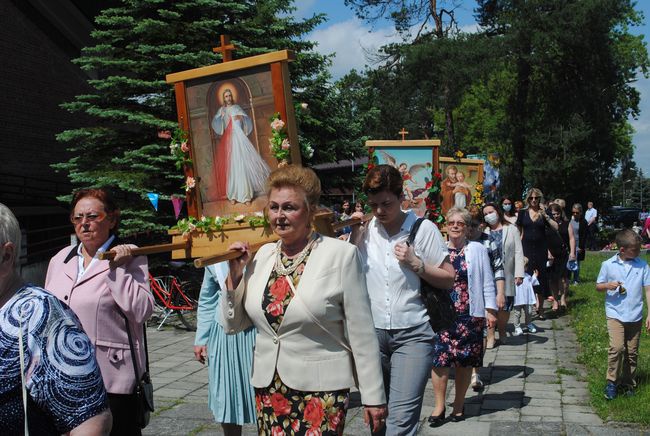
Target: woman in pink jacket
x,y
104,295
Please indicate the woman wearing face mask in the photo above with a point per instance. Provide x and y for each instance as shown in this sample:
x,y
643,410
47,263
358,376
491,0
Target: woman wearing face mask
x,y
509,212
507,239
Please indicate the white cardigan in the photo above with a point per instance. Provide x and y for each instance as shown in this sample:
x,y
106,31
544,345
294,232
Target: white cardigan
x,y
480,280
512,254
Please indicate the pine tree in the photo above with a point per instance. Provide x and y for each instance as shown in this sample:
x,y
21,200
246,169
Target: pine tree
x,y
136,44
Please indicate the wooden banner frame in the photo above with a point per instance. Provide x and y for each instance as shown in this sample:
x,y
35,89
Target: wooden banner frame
x,y
276,64
417,204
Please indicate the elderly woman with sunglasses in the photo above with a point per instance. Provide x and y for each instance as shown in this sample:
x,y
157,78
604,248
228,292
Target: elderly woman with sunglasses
x,y
111,298
532,222
474,297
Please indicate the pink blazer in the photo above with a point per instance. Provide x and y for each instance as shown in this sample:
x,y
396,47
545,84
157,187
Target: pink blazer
x,y
95,299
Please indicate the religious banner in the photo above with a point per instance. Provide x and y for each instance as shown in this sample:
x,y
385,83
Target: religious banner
x,y
232,112
460,178
416,161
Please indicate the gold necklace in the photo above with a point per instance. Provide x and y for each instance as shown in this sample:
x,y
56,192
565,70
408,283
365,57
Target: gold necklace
x,y
280,269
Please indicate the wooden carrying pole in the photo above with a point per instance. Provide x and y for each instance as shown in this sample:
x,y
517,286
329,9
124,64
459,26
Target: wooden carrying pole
x,y
202,262
153,249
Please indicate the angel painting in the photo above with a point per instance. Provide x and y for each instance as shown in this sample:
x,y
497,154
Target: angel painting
x,y
412,188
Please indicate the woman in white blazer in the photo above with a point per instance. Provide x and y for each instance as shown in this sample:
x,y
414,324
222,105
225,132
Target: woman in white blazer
x,y
508,240
307,297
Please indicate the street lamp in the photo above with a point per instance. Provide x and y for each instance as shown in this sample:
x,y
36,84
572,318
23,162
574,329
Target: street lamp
x,y
625,202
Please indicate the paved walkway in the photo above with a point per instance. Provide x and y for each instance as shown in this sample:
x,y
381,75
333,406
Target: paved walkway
x,y
533,386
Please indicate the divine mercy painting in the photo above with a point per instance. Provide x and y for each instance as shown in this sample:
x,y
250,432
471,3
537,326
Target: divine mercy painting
x,y
229,122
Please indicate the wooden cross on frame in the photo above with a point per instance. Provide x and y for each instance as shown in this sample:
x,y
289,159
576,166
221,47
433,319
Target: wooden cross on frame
x,y
403,133
226,48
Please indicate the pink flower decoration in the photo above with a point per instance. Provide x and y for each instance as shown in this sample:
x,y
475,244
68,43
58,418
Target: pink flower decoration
x,y
277,124
190,183
285,144
185,147
164,134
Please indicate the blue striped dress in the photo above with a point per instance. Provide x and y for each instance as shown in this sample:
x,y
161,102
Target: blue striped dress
x,y
231,396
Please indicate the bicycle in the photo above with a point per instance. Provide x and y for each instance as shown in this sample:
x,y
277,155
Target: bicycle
x,y
169,298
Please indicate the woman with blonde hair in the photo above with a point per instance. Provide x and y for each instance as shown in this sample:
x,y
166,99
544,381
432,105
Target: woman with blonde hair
x,y
307,297
532,222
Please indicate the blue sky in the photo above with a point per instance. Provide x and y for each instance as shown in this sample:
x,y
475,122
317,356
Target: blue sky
x,y
352,41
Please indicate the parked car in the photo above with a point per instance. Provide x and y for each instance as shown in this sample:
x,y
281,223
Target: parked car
x,y
619,216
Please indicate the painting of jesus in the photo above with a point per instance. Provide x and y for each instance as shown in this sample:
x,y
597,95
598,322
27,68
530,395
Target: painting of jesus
x,y
239,172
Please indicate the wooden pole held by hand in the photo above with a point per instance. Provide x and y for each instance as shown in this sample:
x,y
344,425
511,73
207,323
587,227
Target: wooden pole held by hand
x,y
202,262
153,249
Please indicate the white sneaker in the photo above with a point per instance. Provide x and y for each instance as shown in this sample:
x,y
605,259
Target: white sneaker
x,y
518,331
532,328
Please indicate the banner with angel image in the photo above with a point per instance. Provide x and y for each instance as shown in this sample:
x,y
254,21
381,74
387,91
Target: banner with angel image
x,y
415,166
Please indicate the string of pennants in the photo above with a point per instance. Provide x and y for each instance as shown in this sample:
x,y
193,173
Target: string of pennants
x,y
177,202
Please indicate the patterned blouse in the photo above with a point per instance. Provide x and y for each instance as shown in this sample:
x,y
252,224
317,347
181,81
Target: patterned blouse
x,y
282,410
64,385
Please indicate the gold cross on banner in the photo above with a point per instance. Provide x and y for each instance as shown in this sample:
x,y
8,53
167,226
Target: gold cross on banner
x,y
403,133
226,48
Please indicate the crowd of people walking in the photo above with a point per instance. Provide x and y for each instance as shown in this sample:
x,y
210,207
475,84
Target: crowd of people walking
x,y
288,331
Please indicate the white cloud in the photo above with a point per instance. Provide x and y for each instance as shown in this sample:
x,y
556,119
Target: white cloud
x,y
352,41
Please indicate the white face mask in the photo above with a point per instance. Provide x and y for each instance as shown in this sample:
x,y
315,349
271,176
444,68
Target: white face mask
x,y
507,207
491,218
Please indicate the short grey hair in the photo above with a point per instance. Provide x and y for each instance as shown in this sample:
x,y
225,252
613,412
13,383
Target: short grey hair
x,y
10,230
464,213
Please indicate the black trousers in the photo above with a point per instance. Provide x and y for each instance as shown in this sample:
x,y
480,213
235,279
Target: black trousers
x,y
123,408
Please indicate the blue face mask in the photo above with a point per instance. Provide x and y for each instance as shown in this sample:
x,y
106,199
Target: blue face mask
x,y
507,207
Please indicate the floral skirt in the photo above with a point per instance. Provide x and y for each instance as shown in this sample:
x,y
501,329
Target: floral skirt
x,y
285,411
461,345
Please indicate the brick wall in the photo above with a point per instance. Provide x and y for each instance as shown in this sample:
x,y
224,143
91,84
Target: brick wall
x,y
36,76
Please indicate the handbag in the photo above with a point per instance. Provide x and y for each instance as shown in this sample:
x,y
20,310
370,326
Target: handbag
x,y
437,301
143,391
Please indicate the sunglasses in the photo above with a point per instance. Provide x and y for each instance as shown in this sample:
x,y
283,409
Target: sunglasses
x,y
91,217
456,223
532,197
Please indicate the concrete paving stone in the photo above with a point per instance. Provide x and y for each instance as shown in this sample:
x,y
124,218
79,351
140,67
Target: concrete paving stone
x,y
171,393
541,402
537,386
570,391
501,404
467,427
576,401
612,430
542,411
531,418
525,428
552,419
543,379
574,408
189,386
162,426
499,415
501,396
188,410
582,418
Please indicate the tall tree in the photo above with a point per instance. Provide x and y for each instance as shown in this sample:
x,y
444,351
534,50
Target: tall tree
x,y
574,62
418,21
136,44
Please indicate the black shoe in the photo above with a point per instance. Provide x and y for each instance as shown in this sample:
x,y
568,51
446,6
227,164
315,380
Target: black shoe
x,y
458,418
436,420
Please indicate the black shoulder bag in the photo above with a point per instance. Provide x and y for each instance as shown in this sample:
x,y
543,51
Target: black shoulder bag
x,y
143,388
437,301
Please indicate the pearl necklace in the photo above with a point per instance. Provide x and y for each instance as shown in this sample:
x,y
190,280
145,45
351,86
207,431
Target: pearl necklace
x,y
300,258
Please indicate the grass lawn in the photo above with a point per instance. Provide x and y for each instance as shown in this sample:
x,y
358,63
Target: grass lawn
x,y
588,313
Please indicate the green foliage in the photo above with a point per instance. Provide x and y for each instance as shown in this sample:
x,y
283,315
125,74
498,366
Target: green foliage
x,y
588,312
128,102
